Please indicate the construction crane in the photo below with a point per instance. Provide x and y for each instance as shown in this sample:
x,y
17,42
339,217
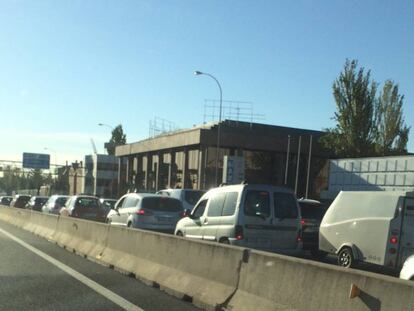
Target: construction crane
x,y
94,146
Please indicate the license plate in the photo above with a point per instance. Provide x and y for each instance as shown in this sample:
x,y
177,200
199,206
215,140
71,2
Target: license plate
x,y
164,219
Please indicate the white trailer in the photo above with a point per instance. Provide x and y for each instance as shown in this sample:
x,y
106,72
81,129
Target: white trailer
x,y
371,226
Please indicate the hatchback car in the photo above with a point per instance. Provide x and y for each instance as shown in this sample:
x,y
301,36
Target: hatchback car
x,y
312,212
188,197
36,203
83,206
20,201
5,200
54,204
255,216
146,211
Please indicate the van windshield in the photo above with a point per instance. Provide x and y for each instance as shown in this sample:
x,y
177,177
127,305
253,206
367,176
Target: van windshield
x,y
257,203
164,204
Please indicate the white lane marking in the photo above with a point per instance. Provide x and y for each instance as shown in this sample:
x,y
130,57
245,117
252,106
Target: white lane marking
x,y
123,303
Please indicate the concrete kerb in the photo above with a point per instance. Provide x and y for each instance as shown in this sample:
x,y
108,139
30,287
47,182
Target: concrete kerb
x,y
82,236
205,273
276,282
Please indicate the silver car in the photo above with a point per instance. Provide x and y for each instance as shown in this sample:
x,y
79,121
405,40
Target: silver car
x,y
54,204
188,197
146,211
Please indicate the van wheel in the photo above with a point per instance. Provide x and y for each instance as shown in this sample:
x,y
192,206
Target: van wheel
x,y
346,258
179,233
224,241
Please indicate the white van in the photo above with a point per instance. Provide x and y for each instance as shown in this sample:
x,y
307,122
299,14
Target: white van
x,y
255,216
369,226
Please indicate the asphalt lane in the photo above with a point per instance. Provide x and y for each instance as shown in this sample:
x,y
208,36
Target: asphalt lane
x,y
29,282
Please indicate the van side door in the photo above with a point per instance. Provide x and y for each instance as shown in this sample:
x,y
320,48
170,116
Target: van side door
x,y
286,221
407,234
257,218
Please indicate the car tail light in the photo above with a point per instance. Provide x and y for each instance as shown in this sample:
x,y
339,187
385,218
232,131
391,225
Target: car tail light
x,y
143,212
393,240
392,250
302,221
239,233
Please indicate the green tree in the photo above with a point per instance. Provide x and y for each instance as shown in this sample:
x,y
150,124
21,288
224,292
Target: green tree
x,y
354,93
118,138
392,132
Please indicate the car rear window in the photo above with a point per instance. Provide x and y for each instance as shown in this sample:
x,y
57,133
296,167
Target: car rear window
x,y
285,205
257,203
312,211
87,203
165,204
61,201
192,197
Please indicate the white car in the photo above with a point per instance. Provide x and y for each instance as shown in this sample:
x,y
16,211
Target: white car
x,y
407,271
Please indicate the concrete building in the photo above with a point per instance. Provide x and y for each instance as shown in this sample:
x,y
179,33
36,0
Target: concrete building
x,y
394,173
187,158
76,178
101,175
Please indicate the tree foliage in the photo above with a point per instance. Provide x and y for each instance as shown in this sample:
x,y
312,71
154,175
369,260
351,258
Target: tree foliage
x,y
366,125
118,138
392,132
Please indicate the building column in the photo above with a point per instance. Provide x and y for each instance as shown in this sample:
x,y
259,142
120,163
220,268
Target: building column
x,y
184,183
119,175
160,161
201,168
147,169
171,168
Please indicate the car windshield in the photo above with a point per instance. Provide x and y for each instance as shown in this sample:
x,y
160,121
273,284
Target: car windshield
x,y
165,204
192,196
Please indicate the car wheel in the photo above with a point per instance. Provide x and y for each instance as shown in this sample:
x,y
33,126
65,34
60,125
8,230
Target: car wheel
x,y
108,221
129,225
179,233
224,241
346,258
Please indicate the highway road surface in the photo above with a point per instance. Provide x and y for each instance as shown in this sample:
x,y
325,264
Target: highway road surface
x,y
36,274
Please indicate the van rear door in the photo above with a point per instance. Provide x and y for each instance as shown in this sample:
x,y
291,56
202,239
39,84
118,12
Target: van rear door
x,y
286,221
258,217
407,232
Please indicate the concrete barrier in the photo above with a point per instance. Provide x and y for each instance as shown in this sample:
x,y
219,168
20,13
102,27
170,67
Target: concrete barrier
x,y
82,236
275,282
205,273
218,276
16,216
42,224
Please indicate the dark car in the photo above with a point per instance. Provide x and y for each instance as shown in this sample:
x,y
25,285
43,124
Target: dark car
x,y
6,200
36,203
312,212
84,206
20,201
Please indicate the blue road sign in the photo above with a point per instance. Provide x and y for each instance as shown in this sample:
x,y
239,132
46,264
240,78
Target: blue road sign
x,y
36,160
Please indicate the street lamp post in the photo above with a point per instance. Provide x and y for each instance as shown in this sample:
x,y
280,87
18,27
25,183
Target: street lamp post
x,y
107,125
197,73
